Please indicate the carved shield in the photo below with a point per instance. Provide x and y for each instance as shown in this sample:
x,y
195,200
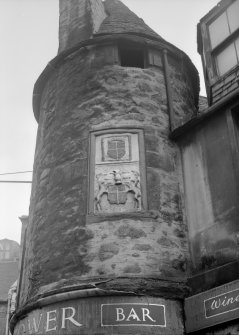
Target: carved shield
x,y
116,149
117,194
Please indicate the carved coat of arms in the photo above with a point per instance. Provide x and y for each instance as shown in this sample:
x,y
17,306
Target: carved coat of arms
x,y
115,186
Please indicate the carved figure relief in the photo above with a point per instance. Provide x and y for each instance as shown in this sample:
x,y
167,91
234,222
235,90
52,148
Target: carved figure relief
x,y
117,179
116,186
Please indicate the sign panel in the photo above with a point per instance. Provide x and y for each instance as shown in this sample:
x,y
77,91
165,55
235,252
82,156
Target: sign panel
x,y
223,303
133,315
110,314
212,307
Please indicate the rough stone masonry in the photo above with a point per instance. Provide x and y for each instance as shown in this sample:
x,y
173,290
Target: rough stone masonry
x,y
85,93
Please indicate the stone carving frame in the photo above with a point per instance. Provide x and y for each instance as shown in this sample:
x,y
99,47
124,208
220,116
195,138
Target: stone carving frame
x,y
139,192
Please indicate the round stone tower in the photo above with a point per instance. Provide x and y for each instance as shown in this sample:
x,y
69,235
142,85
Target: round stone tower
x,y
107,249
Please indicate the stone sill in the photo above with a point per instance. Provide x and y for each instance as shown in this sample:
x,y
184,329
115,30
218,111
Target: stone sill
x,y
140,215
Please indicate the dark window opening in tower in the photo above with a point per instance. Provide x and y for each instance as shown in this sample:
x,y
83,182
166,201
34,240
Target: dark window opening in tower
x,y
131,57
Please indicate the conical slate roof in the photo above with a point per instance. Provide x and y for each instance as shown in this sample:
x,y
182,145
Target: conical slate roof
x,y
107,17
120,19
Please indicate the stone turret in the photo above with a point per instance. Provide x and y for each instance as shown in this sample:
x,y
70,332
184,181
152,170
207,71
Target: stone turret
x,y
107,237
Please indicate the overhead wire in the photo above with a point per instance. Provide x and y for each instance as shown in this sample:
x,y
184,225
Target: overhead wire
x,y
7,173
15,181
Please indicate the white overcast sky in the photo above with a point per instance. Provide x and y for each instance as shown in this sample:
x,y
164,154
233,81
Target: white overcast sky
x,y
29,40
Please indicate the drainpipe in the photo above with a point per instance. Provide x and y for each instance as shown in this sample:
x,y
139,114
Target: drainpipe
x,y
11,305
23,239
169,90
8,311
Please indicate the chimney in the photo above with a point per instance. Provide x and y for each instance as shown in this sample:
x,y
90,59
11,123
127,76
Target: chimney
x,y
79,20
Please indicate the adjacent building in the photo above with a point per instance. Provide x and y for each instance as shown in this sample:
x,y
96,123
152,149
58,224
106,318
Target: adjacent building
x,y
9,258
210,158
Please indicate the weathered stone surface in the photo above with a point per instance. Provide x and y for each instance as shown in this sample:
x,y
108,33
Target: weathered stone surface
x,y
135,268
89,92
108,251
163,162
128,231
182,94
142,247
166,242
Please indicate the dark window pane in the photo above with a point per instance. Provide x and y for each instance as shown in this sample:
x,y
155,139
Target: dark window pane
x,y
233,16
220,170
219,30
226,59
130,57
237,48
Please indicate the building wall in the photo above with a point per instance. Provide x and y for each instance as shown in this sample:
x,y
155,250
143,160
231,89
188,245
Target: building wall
x,y
85,94
210,175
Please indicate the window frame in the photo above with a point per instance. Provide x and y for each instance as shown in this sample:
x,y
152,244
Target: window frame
x,y
92,163
221,46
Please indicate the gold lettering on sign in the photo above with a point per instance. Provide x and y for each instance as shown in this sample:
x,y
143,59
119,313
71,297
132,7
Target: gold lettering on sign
x,y
145,312
49,319
224,302
128,314
44,322
221,304
37,326
133,315
70,318
120,314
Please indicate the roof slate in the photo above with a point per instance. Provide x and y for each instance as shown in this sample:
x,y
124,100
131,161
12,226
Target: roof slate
x,y
121,19
8,275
